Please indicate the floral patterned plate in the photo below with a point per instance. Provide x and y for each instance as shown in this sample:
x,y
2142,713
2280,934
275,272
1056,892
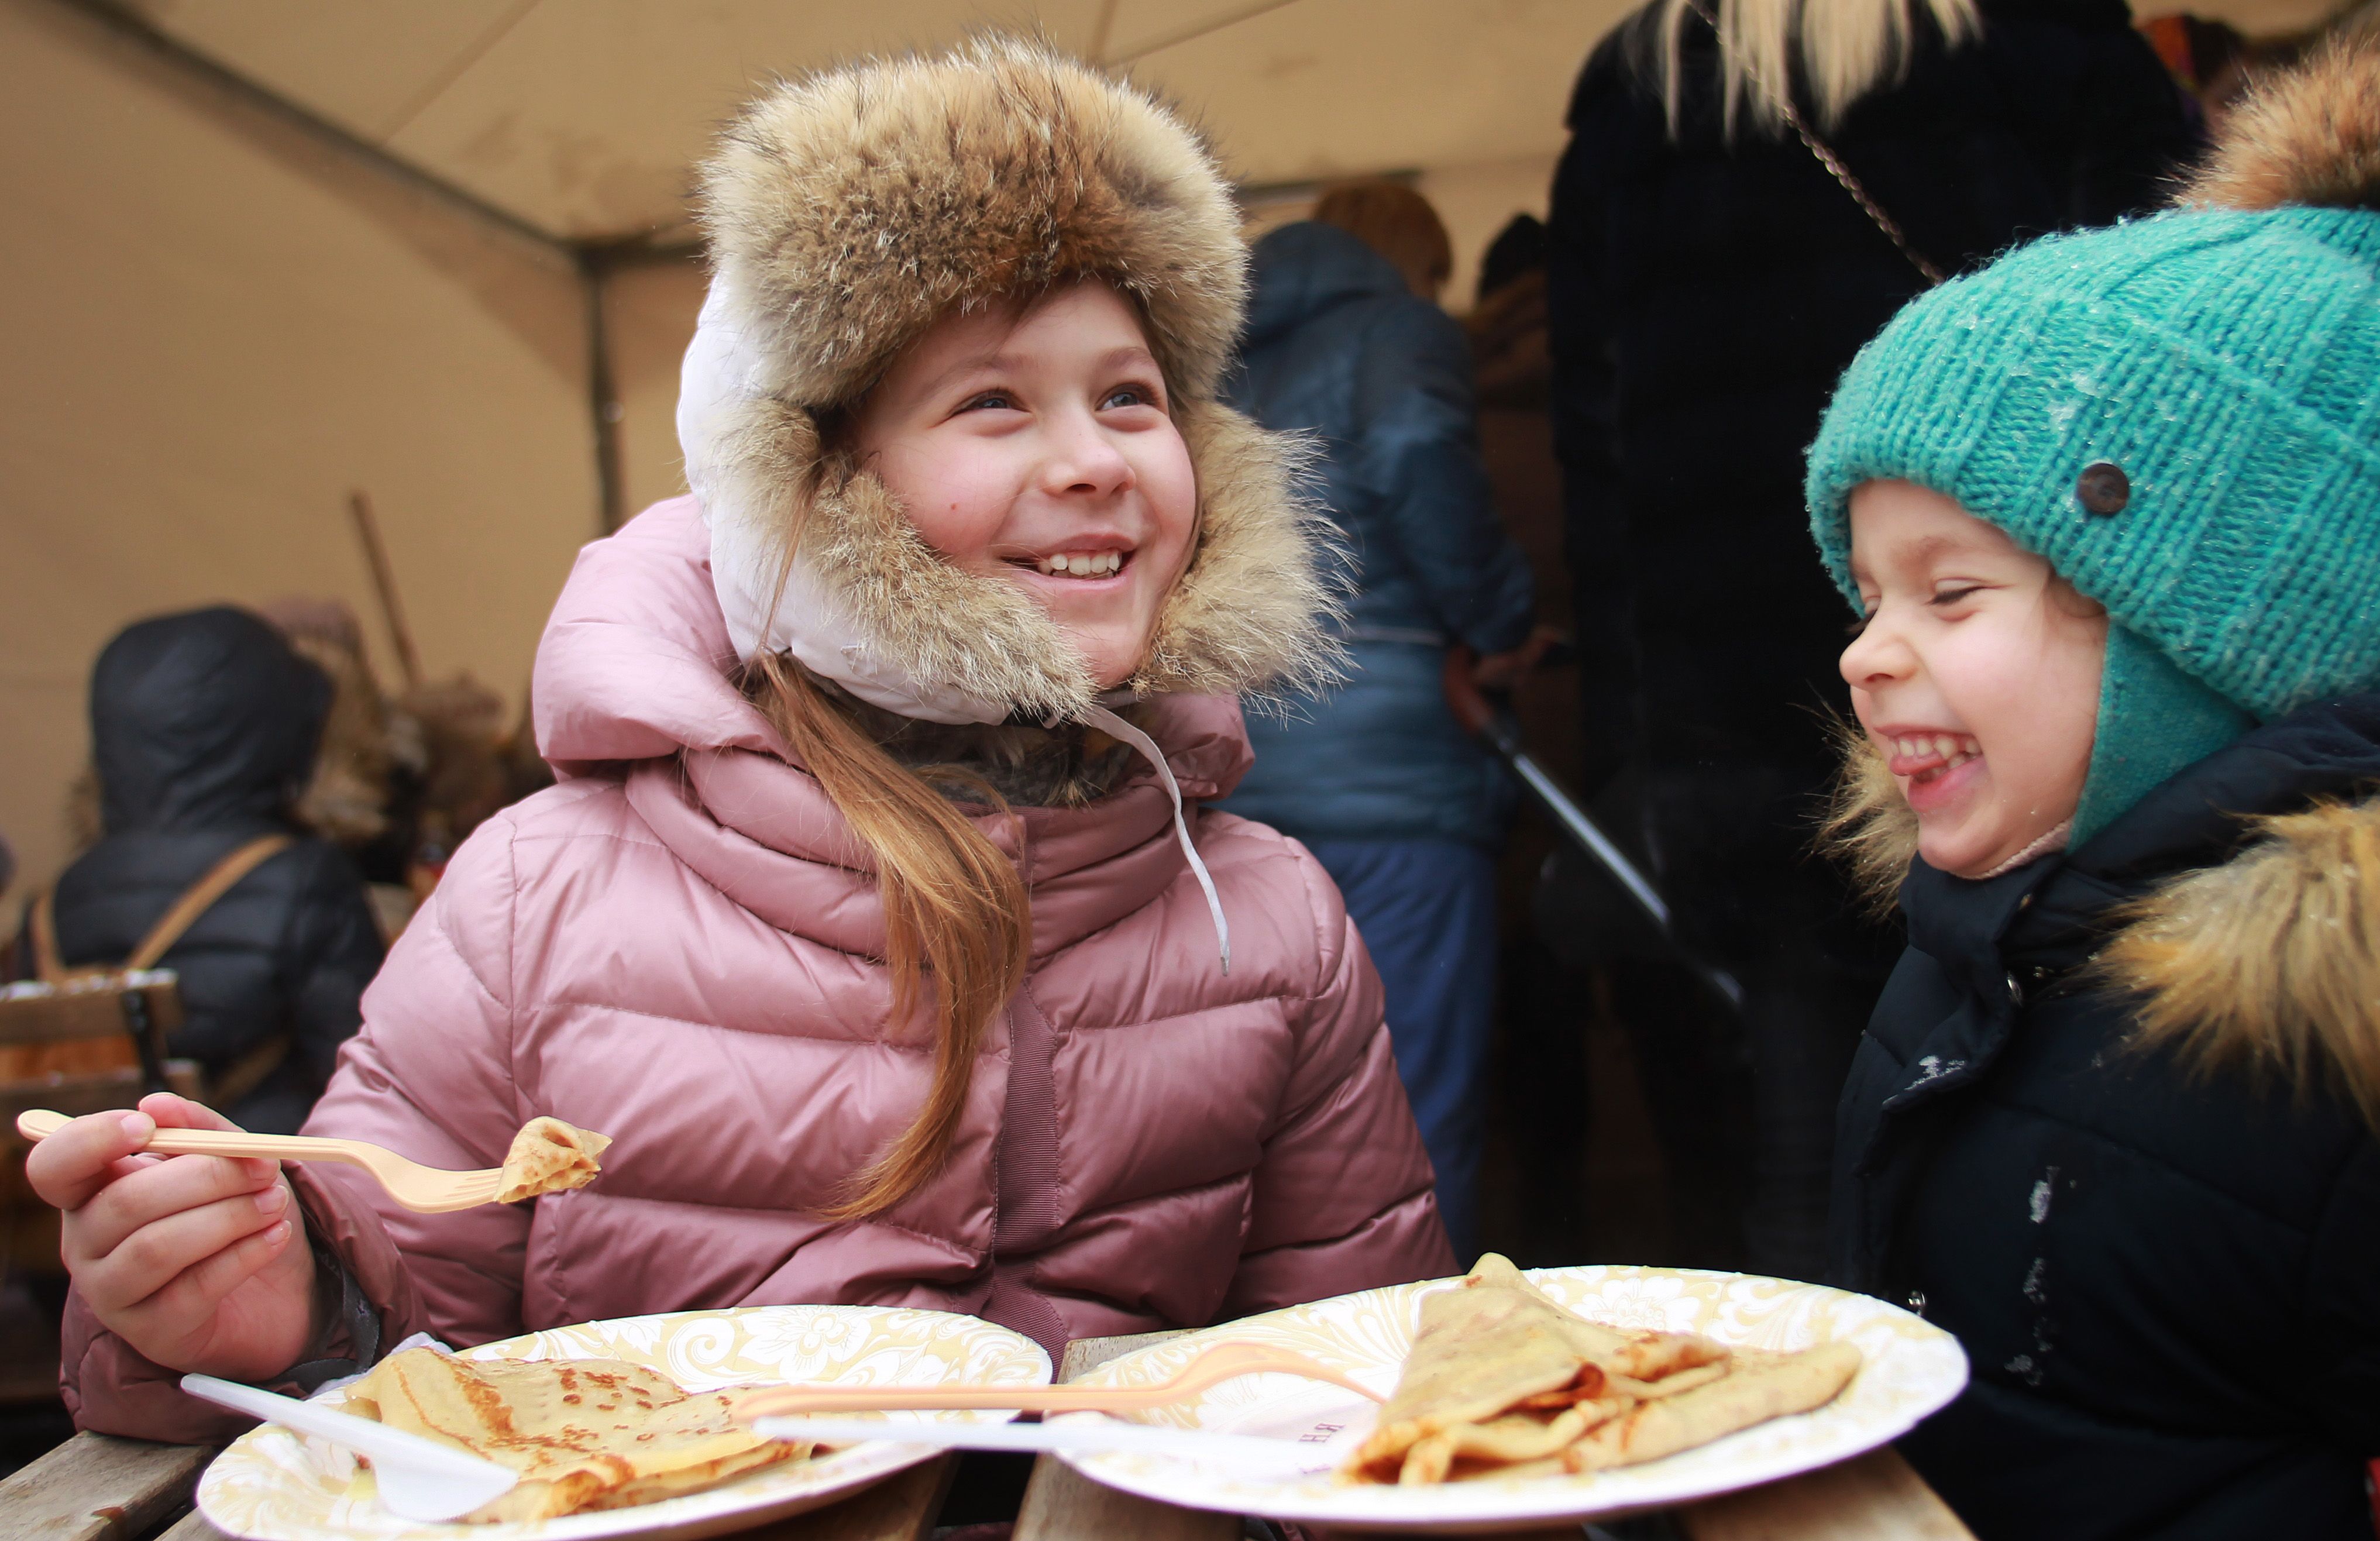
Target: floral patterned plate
x,y
273,1484
1911,1368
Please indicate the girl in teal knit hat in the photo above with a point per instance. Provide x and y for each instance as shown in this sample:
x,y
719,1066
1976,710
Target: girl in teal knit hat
x,y
2109,513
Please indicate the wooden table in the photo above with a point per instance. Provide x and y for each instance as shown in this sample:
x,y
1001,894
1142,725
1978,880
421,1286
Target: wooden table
x,y
97,1488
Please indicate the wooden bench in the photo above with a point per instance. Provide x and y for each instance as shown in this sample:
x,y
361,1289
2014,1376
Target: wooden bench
x,y
96,1489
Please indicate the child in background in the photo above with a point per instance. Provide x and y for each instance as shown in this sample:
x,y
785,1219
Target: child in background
x,y
866,918
2111,511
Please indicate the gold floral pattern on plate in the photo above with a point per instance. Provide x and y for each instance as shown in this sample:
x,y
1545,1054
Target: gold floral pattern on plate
x,y
276,1485
1911,1368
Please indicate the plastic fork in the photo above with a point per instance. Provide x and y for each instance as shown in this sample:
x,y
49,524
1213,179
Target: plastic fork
x,y
1219,1363
417,1478
427,1190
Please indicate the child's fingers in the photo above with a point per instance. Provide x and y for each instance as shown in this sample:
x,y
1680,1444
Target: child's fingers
x,y
180,1112
152,1258
150,1193
196,1292
72,1165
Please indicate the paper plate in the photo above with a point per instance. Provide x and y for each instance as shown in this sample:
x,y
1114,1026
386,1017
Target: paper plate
x,y
271,1485
1910,1367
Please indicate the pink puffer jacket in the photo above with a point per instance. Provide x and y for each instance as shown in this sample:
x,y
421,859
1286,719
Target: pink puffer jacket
x,y
676,946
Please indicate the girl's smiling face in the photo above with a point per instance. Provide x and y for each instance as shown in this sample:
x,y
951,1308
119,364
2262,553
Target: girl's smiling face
x,y
1976,673
1037,447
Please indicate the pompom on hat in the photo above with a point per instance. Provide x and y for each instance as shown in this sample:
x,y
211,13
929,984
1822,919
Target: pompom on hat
x,y
849,212
2182,414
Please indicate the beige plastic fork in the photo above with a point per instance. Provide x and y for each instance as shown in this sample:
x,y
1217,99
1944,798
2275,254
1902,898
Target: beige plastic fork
x,y
428,1190
1211,1368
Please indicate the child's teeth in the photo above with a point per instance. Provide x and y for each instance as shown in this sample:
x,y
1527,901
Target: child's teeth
x,y
1096,563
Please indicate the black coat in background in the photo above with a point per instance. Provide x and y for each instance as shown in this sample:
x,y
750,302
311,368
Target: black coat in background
x,y
1705,295
203,729
2167,1285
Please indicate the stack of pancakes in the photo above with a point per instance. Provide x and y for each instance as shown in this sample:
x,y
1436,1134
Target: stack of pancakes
x,y
583,1433
1502,1381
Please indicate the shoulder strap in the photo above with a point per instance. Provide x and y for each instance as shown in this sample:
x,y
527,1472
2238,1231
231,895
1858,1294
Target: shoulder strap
x,y
202,895
1833,164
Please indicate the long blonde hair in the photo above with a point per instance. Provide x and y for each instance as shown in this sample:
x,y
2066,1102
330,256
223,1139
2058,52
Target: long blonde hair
x,y
957,921
1836,50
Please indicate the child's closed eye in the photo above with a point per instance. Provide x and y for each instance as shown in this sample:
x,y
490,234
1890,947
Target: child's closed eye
x,y
1946,598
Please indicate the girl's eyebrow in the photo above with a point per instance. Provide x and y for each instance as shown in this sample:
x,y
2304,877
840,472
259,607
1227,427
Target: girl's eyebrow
x,y
997,361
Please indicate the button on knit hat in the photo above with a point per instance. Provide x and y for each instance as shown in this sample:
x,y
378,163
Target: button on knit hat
x,y
2182,414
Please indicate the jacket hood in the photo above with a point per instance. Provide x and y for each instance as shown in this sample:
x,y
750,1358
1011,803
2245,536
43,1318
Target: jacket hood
x,y
202,719
636,664
846,213
1305,269
2239,904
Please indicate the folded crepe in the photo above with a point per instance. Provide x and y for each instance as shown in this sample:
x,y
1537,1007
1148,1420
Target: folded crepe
x,y
1502,1380
584,1434
550,1157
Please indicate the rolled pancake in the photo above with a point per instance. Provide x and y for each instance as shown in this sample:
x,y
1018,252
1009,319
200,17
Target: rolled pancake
x,y
1502,1381
1754,1390
1481,1348
550,1157
585,1433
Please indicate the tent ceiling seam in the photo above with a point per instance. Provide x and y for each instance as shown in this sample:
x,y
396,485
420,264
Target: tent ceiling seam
x,y
443,81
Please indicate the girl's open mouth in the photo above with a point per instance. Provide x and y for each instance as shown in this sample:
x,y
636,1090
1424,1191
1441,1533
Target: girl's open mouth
x,y
1929,762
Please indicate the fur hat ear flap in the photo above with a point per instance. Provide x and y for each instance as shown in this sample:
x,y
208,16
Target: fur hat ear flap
x,y
2309,136
1252,614
980,637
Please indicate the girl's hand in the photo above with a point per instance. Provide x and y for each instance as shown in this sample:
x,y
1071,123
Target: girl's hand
x,y
198,1262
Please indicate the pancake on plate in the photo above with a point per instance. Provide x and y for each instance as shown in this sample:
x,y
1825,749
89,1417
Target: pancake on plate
x,y
584,1434
550,1157
1502,1381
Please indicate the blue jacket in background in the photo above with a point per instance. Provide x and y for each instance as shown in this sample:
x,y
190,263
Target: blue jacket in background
x,y
1338,347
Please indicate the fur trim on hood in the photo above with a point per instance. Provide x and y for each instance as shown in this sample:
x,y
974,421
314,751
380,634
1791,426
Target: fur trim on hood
x,y
847,213
2264,966
2308,135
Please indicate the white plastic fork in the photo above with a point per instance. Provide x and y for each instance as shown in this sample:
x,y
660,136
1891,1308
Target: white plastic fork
x,y
418,1478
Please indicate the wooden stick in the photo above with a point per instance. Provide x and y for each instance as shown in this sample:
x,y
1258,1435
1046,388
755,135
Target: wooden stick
x,y
384,580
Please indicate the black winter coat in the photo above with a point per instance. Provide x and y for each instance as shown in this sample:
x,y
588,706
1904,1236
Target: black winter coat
x,y
203,730
2168,1284
1704,297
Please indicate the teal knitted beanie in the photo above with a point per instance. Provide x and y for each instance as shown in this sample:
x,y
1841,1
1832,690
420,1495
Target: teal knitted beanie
x,y
2182,415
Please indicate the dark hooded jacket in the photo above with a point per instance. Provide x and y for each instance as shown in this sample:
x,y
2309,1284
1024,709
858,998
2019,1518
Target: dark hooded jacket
x,y
203,730
1338,346
1705,293
2168,1283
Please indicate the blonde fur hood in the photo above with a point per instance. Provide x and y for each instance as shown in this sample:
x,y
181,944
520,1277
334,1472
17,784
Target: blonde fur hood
x,y
2265,965
849,212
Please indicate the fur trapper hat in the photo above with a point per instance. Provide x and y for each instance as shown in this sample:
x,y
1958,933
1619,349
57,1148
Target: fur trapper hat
x,y
849,212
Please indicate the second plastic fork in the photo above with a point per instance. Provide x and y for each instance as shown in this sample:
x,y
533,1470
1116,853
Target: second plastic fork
x,y
1217,1364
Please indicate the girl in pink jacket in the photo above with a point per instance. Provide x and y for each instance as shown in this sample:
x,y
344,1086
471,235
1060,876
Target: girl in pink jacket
x,y
873,916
